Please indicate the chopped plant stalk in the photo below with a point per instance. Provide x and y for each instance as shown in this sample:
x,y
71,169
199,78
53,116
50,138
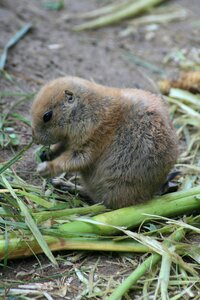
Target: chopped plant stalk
x,y
19,34
143,268
102,11
172,204
164,275
127,12
77,228
24,248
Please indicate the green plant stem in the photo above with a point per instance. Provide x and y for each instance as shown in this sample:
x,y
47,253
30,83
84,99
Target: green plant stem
x,y
164,276
129,11
13,160
173,204
168,205
17,247
133,278
143,268
45,215
103,10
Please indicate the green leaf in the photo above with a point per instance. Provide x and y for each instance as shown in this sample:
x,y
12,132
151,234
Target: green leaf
x,y
14,139
31,223
21,118
15,158
36,199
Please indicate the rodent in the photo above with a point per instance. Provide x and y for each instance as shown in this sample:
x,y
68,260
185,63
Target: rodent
x,y
120,140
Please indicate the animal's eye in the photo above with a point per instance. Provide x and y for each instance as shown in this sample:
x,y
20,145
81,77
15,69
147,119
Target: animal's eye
x,y
69,96
47,116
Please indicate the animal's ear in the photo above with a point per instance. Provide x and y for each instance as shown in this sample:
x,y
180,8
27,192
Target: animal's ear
x,y
69,96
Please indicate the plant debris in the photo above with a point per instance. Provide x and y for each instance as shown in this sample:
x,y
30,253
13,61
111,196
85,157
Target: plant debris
x,y
114,14
13,40
189,81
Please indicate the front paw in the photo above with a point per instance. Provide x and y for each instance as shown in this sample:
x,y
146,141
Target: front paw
x,y
43,169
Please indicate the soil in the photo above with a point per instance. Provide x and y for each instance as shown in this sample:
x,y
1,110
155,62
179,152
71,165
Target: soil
x,y
51,49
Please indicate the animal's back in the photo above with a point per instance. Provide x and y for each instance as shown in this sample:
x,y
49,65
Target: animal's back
x,y
139,156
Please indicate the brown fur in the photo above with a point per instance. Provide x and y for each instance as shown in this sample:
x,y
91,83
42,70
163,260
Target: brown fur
x,y
120,140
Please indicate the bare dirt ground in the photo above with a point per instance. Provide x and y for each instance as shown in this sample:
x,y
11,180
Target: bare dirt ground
x,y
99,55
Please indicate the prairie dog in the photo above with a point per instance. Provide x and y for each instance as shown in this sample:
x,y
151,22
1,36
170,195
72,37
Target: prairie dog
x,y
121,141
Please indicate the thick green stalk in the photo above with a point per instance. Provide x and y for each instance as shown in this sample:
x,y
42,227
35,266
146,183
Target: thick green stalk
x,y
122,14
168,205
143,268
17,247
